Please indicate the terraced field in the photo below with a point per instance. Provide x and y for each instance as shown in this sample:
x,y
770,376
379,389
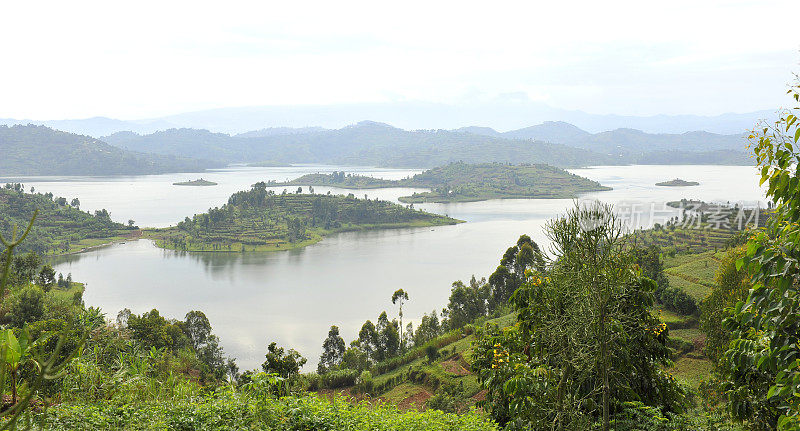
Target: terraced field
x,y
694,273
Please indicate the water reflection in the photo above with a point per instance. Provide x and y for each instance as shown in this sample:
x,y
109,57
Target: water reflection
x,y
292,297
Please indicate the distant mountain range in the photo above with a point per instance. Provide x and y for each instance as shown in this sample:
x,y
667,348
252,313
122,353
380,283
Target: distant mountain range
x,y
39,150
365,143
507,113
618,140
373,143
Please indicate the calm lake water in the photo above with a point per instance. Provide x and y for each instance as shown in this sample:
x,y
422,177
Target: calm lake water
x,y
293,297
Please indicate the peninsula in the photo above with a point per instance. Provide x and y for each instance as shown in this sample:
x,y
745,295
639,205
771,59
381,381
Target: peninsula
x,y
462,182
260,220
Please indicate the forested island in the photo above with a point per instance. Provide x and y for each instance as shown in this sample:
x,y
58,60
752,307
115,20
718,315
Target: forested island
x,y
61,227
677,182
261,220
463,182
197,183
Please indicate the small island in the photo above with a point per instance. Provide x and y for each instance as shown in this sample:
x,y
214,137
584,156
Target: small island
x,y
677,182
463,182
261,220
198,183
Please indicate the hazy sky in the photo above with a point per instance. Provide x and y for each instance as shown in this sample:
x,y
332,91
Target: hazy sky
x,y
130,60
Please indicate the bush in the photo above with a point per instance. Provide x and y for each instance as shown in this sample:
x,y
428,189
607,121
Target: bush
x,y
364,383
432,353
331,380
675,299
233,410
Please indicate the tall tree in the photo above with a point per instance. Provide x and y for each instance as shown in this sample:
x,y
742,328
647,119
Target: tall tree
x,y
398,297
332,351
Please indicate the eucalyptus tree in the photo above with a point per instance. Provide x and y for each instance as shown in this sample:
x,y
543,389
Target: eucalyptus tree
x,y
398,297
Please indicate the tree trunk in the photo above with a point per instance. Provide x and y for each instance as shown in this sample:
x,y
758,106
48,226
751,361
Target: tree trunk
x,y
604,365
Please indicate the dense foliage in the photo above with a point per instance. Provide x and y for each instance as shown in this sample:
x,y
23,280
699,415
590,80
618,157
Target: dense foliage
x,y
60,227
39,150
585,341
762,365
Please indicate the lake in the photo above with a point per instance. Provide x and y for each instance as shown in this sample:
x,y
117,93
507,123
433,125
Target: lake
x,y
293,297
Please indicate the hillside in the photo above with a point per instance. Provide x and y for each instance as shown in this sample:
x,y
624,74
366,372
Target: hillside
x,y
462,182
636,146
61,227
365,143
377,144
260,220
38,150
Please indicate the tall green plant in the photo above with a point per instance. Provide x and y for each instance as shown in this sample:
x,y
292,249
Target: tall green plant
x,y
585,340
17,352
762,365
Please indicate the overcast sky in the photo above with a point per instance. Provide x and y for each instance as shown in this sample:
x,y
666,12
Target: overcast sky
x,y
132,60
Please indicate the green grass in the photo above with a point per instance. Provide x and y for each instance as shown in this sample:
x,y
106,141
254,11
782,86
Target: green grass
x,y
693,273
692,370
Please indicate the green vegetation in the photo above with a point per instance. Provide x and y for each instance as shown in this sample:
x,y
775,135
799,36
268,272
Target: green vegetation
x,y
677,182
461,182
760,369
260,220
38,150
61,226
340,179
198,182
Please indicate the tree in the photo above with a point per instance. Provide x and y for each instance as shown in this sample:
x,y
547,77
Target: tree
x,y
153,330
28,306
585,338
399,296
197,328
332,351
388,337
47,276
76,203
283,363
467,302
761,365
368,339
509,274
428,329
206,345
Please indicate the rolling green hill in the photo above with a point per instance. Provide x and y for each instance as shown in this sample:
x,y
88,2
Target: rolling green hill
x,y
462,182
39,150
259,220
